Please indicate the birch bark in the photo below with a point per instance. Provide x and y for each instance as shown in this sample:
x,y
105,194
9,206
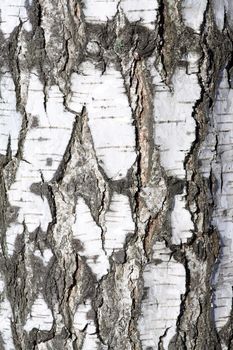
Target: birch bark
x,y
116,198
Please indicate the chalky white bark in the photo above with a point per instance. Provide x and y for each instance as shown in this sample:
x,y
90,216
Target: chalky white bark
x,y
12,13
222,10
5,318
84,324
119,224
216,156
40,316
45,256
193,13
11,120
48,123
109,115
164,284
174,123
181,222
89,234
135,10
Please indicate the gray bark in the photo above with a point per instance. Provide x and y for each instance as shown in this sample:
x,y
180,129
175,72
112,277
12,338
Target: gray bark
x,y
116,166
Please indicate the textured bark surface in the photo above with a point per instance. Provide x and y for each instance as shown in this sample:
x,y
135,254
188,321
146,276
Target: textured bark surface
x,y
116,186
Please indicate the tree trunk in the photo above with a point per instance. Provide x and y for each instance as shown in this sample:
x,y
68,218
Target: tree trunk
x,y
116,187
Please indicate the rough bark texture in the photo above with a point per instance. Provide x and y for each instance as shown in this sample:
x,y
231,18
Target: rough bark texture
x,y
116,186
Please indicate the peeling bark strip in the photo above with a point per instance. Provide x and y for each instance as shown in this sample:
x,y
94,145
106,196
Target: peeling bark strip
x,y
116,130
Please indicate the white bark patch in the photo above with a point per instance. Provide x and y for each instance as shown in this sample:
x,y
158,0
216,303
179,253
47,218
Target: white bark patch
x,y
110,117
174,124
97,11
12,12
46,255
10,119
119,223
34,210
219,12
80,316
193,12
48,345
48,135
81,322
223,346
230,13
89,234
223,282
144,10
221,9
220,160
50,129
224,211
164,284
193,62
5,319
40,316
181,221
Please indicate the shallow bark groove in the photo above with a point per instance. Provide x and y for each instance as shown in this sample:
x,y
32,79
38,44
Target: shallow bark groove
x,y
116,174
